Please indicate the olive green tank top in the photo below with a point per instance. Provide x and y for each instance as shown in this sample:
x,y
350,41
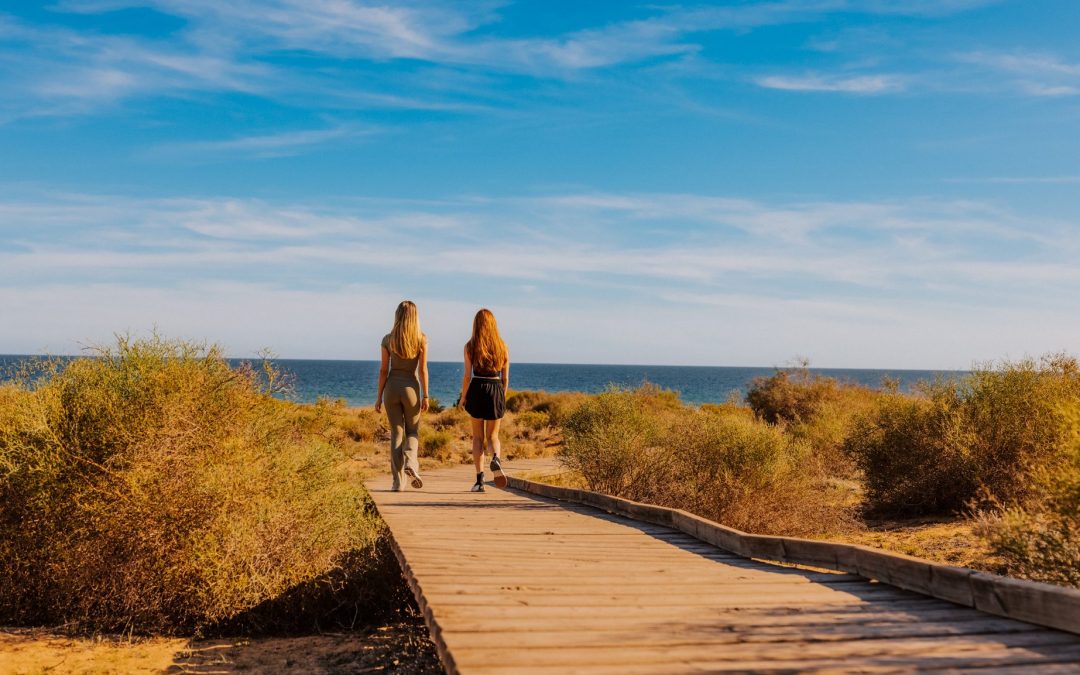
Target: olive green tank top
x,y
400,366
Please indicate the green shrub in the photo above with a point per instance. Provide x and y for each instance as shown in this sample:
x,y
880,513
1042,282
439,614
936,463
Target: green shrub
x,y
986,434
617,442
790,395
155,488
557,405
728,467
752,476
914,455
451,418
534,419
435,406
1040,537
433,442
520,401
818,410
732,406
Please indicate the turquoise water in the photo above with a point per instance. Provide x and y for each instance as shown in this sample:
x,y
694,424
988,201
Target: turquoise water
x,y
355,381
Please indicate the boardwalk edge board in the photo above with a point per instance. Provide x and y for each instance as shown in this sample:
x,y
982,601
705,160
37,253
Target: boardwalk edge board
x,y
434,629
1031,601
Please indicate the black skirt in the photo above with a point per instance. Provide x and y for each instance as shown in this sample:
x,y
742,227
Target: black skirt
x,y
486,398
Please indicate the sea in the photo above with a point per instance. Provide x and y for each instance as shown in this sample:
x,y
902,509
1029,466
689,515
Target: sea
x,y
355,382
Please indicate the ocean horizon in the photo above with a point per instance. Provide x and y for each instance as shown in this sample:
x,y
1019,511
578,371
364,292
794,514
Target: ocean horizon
x,y
355,381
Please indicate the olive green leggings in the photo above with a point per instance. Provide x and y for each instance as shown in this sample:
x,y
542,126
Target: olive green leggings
x,y
402,400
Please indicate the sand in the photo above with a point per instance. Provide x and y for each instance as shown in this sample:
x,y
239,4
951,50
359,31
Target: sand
x,y
399,648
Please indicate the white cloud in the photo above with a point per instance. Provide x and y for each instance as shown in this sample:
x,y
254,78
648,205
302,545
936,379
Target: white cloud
x,y
1033,73
1022,180
846,282
857,84
695,238
277,144
346,322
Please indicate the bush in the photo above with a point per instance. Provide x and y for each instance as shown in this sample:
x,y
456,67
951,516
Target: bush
x,y
534,419
819,410
1040,538
452,418
434,443
435,406
914,455
519,401
728,467
557,406
617,442
985,435
790,395
752,476
154,488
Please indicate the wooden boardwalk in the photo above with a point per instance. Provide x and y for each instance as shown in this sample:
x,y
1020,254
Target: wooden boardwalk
x,y
514,583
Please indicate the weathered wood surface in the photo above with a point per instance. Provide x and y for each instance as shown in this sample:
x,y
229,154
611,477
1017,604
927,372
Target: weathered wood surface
x,y
1039,603
511,582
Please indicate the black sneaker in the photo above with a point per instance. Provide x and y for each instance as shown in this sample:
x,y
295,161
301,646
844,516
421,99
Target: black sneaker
x,y
416,482
478,487
496,470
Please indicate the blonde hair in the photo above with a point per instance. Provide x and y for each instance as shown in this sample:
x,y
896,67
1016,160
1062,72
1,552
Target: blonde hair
x,y
406,340
486,348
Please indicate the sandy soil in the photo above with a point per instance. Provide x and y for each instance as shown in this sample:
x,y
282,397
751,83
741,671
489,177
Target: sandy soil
x,y
952,541
400,648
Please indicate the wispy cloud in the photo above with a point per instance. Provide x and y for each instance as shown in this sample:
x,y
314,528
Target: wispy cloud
x,y
1033,73
278,144
817,272
224,45
1021,180
696,239
848,84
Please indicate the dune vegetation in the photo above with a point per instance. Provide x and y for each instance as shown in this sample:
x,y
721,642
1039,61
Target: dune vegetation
x,y
155,489
721,463
982,470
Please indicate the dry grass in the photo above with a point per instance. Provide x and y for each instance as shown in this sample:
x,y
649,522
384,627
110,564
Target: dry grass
x,y
952,541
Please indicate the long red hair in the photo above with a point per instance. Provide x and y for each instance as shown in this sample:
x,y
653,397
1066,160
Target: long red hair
x,y
486,348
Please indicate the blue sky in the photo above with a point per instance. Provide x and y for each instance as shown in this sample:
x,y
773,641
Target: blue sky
x,y
866,183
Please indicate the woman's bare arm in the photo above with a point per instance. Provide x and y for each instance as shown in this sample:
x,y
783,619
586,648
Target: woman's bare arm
x,y
384,369
465,378
424,377
506,375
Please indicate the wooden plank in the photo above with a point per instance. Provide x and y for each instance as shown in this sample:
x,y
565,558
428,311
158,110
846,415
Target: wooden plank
x,y
674,634
509,618
960,648
1047,661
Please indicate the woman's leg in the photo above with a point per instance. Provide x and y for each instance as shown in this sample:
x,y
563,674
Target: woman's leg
x,y
395,415
478,444
491,435
410,402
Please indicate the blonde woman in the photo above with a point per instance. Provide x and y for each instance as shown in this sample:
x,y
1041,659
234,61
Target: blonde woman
x,y
483,393
404,354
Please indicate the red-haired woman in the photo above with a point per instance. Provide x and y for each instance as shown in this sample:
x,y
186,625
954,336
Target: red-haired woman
x,y
483,393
